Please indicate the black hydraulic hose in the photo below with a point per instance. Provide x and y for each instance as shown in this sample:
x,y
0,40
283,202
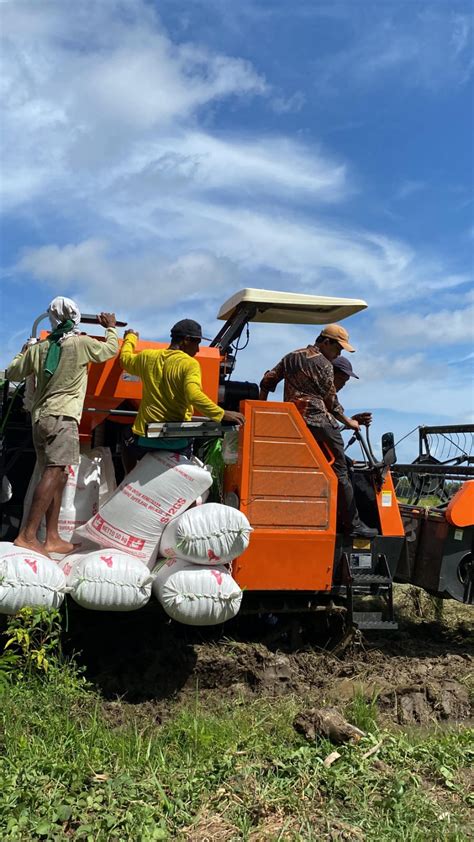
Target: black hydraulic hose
x,y
365,449
369,445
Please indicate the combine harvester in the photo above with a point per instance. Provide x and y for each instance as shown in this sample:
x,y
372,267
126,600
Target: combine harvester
x,y
282,480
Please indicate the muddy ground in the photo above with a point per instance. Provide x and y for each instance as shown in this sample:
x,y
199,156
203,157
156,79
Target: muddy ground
x,y
143,664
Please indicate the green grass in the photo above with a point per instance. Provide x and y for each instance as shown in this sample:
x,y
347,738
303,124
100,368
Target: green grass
x,y
230,769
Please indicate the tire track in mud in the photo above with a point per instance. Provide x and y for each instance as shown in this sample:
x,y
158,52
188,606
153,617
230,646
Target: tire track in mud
x,y
417,676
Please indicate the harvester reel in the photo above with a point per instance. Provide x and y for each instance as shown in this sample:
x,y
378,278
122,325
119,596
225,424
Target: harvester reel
x,y
427,485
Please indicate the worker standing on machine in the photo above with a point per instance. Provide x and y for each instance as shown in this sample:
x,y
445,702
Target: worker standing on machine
x,y
308,376
59,364
343,371
171,380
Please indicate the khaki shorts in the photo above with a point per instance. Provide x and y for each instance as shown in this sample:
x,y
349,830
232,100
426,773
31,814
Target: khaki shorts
x,y
56,441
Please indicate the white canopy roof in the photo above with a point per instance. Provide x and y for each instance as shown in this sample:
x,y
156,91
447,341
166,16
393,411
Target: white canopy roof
x,y
292,308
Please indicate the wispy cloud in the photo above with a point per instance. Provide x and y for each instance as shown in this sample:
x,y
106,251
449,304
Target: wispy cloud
x,y
429,47
80,103
409,188
438,328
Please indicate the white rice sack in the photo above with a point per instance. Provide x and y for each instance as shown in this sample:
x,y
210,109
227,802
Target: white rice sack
x,y
107,580
90,482
209,534
161,486
197,595
28,578
108,481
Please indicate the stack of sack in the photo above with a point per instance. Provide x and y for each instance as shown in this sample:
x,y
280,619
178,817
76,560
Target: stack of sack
x,y
147,517
194,584
126,532
30,579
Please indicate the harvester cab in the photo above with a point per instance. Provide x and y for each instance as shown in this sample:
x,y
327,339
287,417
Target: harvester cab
x,y
282,479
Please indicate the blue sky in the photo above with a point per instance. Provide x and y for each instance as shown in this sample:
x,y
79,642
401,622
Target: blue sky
x,y
157,157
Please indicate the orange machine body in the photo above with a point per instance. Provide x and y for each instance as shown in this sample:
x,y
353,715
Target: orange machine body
x,y
391,524
109,386
288,490
460,511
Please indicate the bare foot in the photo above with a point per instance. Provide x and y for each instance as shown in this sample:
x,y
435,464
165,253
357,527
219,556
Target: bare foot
x,y
60,547
34,545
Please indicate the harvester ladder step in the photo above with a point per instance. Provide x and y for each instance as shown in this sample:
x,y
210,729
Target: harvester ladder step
x,y
373,620
370,579
360,584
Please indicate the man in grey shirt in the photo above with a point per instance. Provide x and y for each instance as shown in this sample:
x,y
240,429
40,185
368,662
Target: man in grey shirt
x,y
59,364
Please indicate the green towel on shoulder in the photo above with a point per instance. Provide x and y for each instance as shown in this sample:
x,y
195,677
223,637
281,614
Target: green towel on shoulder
x,y
54,351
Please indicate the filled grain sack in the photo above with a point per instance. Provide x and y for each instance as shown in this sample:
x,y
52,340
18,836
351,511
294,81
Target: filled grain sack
x,y
209,534
89,484
28,578
107,580
197,595
161,486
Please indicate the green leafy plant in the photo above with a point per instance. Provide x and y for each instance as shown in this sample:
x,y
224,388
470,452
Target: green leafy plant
x,y
8,666
34,636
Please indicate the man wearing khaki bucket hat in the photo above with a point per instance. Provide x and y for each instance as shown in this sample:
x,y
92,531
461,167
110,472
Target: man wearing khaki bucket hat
x,y
308,376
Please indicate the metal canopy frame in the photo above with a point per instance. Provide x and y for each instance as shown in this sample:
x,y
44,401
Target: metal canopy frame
x,y
255,302
86,319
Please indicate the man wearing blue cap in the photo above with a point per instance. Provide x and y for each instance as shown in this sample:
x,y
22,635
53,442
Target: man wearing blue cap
x,y
308,376
343,371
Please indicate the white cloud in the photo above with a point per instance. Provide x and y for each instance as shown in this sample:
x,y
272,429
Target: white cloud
x,y
133,283
429,48
444,327
81,87
104,127
195,162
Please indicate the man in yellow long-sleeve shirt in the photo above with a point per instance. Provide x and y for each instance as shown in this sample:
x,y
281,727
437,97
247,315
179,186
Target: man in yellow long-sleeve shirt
x,y
171,380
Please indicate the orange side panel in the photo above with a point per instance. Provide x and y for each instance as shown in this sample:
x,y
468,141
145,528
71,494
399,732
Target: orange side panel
x,y
109,380
109,385
288,492
389,513
460,511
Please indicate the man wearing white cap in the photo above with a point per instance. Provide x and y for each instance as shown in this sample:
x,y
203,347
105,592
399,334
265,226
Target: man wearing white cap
x,y
308,376
59,365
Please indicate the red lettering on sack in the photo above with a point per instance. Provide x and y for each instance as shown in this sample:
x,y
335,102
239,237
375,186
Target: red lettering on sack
x,y
135,543
70,471
98,523
212,556
67,569
184,474
116,536
31,562
217,576
176,507
107,560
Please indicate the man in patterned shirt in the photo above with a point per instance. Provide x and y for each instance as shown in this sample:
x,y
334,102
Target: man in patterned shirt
x,y
308,376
